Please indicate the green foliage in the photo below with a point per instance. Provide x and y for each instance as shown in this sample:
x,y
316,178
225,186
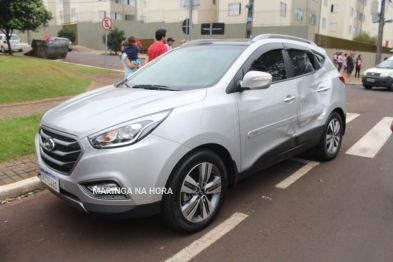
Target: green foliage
x,y
365,38
19,133
67,33
22,15
115,37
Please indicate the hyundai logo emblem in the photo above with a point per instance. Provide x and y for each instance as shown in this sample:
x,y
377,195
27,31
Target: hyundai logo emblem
x,y
49,144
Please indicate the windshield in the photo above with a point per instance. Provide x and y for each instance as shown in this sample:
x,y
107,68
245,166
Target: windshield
x,y
188,67
386,64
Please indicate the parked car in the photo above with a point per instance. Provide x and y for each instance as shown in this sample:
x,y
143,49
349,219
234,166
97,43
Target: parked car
x,y
52,39
381,75
170,140
15,43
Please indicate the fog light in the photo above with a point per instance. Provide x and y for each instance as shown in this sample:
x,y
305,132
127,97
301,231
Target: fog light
x,y
110,188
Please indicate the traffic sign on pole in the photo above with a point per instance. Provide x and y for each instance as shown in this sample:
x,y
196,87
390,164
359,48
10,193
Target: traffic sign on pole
x,y
106,23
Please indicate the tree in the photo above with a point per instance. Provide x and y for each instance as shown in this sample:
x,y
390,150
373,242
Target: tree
x,y
115,37
67,33
22,15
365,38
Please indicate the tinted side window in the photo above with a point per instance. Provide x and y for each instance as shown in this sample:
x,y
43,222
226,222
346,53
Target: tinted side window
x,y
320,59
271,62
300,62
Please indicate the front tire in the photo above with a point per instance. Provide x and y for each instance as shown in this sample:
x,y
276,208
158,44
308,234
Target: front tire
x,y
368,87
199,185
331,138
390,88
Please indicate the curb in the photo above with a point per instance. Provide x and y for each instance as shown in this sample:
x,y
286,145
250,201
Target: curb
x,y
21,187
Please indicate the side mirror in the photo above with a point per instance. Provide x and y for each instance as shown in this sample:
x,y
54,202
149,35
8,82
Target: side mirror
x,y
256,80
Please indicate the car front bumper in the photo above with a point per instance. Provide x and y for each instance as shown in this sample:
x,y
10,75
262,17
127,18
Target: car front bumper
x,y
142,168
377,81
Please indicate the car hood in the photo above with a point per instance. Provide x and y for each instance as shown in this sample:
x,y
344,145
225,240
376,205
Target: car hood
x,y
94,111
379,70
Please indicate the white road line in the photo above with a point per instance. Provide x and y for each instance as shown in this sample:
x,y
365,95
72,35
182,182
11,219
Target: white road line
x,y
370,144
209,238
351,117
298,174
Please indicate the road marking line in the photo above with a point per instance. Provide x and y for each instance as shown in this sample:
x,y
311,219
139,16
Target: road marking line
x,y
208,239
351,117
298,174
370,144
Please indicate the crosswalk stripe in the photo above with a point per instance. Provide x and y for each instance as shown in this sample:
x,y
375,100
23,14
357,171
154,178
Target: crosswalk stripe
x,y
298,174
351,117
208,239
370,144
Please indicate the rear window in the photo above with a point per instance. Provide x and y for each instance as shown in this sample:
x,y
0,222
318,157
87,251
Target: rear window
x,y
14,37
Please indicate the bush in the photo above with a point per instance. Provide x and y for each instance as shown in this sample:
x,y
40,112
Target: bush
x,y
115,37
365,38
67,33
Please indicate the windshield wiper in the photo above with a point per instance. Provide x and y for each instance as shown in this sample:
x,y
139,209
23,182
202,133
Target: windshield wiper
x,y
155,87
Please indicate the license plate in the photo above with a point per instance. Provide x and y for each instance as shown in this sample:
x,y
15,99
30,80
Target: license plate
x,y
50,180
370,80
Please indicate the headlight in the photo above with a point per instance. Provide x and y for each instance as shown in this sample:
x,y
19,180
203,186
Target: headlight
x,y
386,74
130,133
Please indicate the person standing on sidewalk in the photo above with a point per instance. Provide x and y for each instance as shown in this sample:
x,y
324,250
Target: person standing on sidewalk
x,y
350,65
358,65
345,65
169,43
339,62
158,48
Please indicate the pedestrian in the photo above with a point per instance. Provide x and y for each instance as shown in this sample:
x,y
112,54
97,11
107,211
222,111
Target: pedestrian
x,y
158,48
129,56
358,65
139,44
339,62
350,64
169,43
345,64
47,37
335,56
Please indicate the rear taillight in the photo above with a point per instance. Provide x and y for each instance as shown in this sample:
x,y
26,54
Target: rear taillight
x,y
342,79
5,42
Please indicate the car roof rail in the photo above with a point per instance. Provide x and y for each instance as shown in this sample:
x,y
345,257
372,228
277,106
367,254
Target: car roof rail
x,y
267,36
199,41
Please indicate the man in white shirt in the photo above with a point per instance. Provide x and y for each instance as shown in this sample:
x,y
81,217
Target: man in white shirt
x,y
339,62
169,43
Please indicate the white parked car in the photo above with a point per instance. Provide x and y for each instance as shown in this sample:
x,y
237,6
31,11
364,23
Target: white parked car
x,y
379,76
15,43
169,140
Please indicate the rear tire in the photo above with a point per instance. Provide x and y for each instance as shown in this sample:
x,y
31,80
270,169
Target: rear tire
x,y
2,49
20,50
199,185
368,87
331,138
390,88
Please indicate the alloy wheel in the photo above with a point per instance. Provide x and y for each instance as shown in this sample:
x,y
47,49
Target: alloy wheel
x,y
200,192
333,136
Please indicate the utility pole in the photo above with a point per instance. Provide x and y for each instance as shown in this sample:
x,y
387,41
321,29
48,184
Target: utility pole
x,y
250,7
191,6
380,33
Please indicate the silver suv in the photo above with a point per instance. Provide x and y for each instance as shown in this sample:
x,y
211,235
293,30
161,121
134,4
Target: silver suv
x,y
172,137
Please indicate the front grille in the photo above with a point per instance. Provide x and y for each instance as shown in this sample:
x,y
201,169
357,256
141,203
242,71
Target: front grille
x,y
65,153
372,74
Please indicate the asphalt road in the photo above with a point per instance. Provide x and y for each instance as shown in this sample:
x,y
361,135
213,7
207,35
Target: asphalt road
x,y
339,211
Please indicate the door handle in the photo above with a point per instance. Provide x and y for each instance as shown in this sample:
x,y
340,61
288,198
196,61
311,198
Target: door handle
x,y
289,98
323,89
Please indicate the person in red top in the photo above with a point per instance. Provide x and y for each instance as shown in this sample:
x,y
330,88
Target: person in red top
x,y
158,48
